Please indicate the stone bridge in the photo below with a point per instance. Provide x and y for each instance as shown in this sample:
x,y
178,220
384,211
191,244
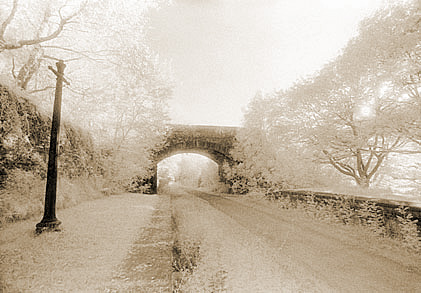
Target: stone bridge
x,y
214,142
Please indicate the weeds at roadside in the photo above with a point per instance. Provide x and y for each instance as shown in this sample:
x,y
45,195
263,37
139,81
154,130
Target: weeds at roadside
x,y
408,232
345,212
23,195
186,255
367,214
371,216
194,266
218,281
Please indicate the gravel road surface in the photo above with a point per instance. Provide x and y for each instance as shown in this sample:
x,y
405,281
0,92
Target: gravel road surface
x,y
321,256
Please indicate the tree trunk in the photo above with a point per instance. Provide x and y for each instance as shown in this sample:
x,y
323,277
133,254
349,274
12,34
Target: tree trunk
x,y
363,182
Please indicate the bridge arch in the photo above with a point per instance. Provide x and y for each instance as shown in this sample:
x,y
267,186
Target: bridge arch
x,y
214,142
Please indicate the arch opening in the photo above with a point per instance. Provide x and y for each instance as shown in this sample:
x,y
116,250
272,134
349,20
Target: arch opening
x,y
187,169
214,142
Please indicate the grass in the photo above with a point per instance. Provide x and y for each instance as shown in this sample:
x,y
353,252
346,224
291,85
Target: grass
x,y
185,253
95,238
23,195
194,269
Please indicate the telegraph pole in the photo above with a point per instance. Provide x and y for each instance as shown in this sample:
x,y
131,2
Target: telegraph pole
x,y
49,222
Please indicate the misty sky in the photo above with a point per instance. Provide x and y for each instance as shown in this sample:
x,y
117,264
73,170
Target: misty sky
x,y
224,51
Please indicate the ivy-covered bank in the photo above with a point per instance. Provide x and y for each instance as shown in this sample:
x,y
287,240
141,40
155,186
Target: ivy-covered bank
x,y
24,144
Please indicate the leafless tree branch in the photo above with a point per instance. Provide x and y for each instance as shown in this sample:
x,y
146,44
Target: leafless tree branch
x,y
13,68
82,53
63,21
8,20
41,90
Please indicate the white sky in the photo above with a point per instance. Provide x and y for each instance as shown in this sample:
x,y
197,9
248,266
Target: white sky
x,y
224,51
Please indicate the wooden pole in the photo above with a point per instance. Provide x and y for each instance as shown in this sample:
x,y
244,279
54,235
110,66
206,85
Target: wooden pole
x,y
49,221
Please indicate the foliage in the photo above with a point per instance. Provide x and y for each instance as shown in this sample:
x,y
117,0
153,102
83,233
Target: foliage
x,y
134,126
79,155
408,231
187,173
188,169
353,112
371,216
139,184
351,115
208,177
24,144
185,256
27,30
22,195
269,154
23,135
128,112
117,90
24,140
196,253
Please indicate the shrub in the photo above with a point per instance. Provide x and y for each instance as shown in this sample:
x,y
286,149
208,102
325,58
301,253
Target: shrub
x,y
408,232
371,216
22,196
401,226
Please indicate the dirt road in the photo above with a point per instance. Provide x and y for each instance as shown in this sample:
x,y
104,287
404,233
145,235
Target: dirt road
x,y
325,257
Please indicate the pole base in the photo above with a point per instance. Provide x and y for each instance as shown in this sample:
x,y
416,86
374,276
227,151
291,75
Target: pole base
x,y
48,226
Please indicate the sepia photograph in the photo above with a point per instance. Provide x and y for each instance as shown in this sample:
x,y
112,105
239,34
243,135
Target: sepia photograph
x,y
210,146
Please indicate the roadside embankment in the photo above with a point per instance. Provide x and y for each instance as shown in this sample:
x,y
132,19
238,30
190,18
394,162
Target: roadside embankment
x,y
24,145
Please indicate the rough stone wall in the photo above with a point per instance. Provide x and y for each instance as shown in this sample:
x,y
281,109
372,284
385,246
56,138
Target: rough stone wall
x,y
215,141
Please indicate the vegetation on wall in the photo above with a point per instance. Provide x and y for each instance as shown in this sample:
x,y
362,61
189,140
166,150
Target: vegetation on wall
x,y
116,97
24,144
25,137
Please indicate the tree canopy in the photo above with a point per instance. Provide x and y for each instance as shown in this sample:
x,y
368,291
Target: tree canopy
x,y
118,87
351,115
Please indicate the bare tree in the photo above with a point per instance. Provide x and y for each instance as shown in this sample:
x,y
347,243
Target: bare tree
x,y
44,31
6,44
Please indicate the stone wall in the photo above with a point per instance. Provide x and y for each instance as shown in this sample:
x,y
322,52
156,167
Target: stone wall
x,y
213,141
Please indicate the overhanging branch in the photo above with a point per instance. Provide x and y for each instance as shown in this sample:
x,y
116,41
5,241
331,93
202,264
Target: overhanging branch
x,y
8,20
11,46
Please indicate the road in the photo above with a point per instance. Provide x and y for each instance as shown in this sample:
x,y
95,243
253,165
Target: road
x,y
324,254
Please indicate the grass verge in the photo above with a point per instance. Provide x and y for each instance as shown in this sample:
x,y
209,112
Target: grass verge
x,y
23,195
400,225
193,268
95,239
